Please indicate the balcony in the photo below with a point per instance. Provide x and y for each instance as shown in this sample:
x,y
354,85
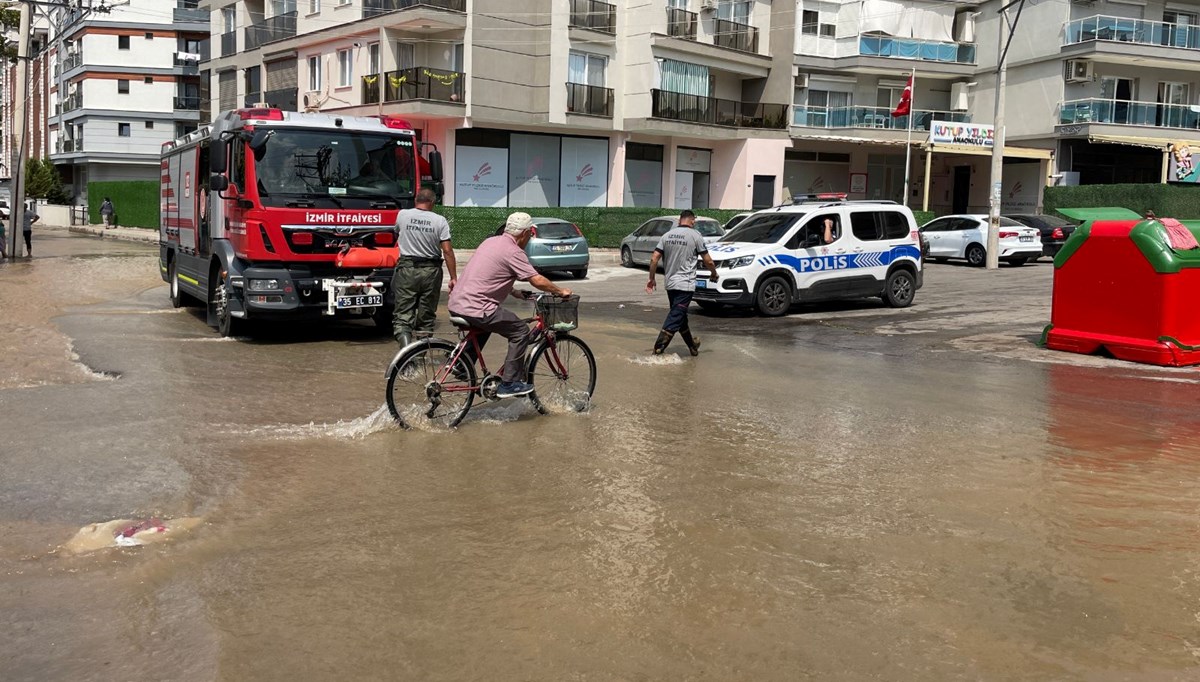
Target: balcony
x,y
229,44
1121,112
71,103
678,106
72,61
187,103
373,8
191,16
592,100
1136,31
278,27
878,118
735,36
920,50
419,83
69,146
681,23
594,15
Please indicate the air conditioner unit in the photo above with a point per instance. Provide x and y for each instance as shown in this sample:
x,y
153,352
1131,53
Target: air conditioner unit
x,y
802,80
313,100
958,97
1079,71
708,5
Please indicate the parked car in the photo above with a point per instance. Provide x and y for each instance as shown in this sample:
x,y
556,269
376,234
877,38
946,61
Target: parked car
x,y
637,247
1054,230
5,212
780,256
965,236
733,222
557,245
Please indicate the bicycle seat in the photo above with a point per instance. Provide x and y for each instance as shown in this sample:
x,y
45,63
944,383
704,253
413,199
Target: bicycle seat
x,y
459,322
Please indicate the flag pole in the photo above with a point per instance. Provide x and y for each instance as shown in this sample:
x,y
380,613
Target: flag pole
x,y
912,87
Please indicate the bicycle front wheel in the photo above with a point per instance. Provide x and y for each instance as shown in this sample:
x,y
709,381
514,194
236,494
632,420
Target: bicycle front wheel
x,y
563,374
422,391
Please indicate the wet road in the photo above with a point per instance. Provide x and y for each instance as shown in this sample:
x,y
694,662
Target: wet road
x,y
849,492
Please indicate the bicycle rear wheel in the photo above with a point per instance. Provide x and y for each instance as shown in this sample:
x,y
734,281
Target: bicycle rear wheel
x,y
563,374
416,398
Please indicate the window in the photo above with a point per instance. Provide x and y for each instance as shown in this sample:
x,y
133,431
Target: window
x,y
149,36
373,58
148,80
314,73
149,125
865,227
123,130
460,57
122,42
587,69
809,22
406,56
765,229
734,10
237,165
345,67
895,225
229,19
123,86
873,225
314,6
659,228
828,30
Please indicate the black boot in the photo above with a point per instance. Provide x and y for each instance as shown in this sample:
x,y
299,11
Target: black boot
x,y
692,342
664,340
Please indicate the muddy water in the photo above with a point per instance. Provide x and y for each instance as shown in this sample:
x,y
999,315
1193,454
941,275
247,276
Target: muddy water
x,y
774,509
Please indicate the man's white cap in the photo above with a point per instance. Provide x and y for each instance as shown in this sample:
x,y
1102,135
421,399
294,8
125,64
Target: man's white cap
x,y
517,223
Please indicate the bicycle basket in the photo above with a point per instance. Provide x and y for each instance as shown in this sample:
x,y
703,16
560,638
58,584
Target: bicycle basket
x,y
559,314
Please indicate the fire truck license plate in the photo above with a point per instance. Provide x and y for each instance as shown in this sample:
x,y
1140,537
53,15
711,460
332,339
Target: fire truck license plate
x,y
365,301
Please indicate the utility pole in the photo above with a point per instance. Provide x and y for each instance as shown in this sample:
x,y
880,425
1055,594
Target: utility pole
x,y
995,192
21,123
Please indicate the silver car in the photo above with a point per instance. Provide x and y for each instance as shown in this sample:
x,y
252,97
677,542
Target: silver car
x,y
637,247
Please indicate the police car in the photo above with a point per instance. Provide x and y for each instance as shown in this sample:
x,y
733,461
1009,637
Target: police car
x,y
786,255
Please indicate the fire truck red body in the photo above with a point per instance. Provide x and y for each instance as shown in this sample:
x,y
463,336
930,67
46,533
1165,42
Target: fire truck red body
x,y
267,214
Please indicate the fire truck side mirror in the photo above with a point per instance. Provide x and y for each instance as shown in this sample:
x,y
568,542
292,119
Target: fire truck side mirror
x,y
435,165
218,183
216,156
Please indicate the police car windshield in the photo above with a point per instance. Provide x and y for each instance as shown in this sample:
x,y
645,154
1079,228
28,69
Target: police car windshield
x,y
335,163
764,229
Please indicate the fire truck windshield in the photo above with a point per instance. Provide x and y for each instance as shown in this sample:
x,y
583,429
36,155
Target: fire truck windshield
x,y
339,164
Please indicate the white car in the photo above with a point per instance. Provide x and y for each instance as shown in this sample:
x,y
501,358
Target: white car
x,y
638,246
780,256
965,236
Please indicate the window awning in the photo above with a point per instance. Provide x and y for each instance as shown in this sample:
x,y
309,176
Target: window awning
x,y
1151,142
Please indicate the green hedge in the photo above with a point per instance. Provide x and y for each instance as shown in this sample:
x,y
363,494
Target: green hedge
x,y
603,227
1173,201
135,203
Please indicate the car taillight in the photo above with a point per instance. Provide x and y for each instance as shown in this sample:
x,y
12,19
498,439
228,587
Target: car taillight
x,y
302,238
385,238
1007,235
1057,233
577,230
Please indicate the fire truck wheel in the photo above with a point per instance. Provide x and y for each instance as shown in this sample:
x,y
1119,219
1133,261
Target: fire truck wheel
x,y
227,325
176,297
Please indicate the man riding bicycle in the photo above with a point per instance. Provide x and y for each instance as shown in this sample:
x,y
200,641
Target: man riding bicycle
x,y
488,279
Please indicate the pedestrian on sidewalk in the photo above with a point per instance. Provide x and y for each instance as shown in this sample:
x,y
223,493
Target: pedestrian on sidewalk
x,y
3,241
678,249
27,230
106,212
424,239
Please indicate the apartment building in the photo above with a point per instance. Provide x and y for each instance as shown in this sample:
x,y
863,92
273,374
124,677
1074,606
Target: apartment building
x,y
125,82
538,102
36,99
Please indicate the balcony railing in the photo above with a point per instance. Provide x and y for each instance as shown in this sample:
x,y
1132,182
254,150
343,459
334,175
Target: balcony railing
x,y
681,23
419,82
1121,112
594,14
373,8
735,36
278,27
879,118
1139,31
191,16
589,99
69,146
678,106
922,50
187,103
71,103
229,44
71,61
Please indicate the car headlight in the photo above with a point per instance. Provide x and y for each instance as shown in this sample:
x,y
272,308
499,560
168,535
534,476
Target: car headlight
x,y
264,285
739,262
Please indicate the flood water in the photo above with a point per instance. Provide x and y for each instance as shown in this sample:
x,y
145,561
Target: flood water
x,y
799,502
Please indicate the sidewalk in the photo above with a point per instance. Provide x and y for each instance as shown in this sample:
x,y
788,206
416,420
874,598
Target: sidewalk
x,y
599,257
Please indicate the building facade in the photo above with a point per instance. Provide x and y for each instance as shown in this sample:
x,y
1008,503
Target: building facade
x,y
36,98
125,82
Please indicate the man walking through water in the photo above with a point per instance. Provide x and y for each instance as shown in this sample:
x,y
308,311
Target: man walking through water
x,y
424,239
678,249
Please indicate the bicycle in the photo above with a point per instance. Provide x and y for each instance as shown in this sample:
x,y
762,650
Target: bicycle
x,y
434,380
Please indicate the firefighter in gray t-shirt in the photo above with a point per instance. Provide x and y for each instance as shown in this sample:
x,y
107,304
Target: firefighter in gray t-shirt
x,y
424,239
679,248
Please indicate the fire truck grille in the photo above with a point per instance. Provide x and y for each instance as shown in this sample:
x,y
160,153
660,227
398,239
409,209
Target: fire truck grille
x,y
328,241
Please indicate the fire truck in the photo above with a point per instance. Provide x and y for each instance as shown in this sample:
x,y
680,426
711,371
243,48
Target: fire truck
x,y
269,215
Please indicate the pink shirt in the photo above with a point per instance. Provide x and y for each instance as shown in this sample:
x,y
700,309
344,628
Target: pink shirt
x,y
489,276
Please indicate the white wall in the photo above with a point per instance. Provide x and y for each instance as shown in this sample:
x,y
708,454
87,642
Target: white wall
x,y
101,135
101,93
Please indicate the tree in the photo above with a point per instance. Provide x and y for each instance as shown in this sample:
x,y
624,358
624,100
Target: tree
x,y
10,20
42,181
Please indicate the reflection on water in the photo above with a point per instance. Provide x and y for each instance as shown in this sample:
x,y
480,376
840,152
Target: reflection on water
x,y
768,510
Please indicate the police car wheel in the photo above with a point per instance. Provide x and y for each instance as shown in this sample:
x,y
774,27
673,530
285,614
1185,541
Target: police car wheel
x,y
774,297
899,289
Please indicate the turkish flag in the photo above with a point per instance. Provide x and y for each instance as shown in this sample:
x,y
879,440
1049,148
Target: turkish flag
x,y
905,104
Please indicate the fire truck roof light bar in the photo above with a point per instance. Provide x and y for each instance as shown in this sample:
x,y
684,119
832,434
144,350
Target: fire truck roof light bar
x,y
269,114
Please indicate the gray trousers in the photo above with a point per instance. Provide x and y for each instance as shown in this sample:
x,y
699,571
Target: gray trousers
x,y
511,327
416,288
